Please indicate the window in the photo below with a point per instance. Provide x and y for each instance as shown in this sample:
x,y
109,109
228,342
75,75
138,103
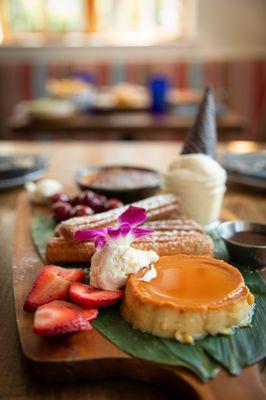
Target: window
x,y
43,16
119,22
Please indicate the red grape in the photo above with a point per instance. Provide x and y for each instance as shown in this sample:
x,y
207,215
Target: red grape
x,y
85,203
75,200
82,198
113,203
60,197
62,210
86,197
81,210
97,202
56,205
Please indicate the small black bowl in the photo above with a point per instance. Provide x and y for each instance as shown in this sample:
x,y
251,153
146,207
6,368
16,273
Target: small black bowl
x,y
243,253
127,195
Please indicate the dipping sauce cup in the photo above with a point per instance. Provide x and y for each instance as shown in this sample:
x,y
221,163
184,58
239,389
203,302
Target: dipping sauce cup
x,y
245,242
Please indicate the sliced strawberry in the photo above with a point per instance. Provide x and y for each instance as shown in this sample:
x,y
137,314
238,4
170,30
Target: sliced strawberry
x,y
47,287
89,297
70,274
52,283
59,317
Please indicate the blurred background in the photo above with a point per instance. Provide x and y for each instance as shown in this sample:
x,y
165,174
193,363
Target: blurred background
x,y
130,69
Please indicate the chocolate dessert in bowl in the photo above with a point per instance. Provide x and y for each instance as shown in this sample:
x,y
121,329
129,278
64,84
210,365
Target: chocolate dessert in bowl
x,y
127,183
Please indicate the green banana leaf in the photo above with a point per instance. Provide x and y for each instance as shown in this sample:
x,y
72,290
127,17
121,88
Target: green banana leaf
x,y
245,347
42,229
152,348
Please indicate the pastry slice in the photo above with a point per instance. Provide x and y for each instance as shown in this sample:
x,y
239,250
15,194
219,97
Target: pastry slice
x,y
173,236
157,207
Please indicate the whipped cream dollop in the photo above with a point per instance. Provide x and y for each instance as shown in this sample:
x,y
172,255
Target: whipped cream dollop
x,y
113,264
115,259
42,192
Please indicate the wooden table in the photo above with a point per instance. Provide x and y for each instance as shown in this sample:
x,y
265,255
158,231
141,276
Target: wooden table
x,y
121,125
65,158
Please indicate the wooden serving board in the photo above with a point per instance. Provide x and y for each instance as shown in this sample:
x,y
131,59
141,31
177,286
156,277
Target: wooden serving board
x,y
88,355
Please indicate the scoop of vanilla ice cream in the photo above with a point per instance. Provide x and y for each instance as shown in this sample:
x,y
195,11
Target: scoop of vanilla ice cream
x,y
199,182
112,265
197,167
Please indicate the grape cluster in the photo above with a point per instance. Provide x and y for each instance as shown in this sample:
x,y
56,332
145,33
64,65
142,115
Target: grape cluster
x,y
85,203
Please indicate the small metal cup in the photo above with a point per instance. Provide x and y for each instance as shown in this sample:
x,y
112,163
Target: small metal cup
x,y
243,254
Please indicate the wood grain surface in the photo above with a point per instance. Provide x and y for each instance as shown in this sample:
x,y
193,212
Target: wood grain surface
x,y
65,158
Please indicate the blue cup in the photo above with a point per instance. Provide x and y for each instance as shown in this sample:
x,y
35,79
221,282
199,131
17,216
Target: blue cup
x,y
158,86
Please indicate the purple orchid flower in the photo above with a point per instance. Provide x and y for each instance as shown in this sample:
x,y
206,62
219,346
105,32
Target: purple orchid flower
x,y
126,232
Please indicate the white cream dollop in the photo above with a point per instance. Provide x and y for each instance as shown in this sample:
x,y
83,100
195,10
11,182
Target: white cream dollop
x,y
112,265
41,192
150,274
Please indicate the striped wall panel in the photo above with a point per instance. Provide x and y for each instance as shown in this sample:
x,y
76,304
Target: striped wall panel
x,y
242,82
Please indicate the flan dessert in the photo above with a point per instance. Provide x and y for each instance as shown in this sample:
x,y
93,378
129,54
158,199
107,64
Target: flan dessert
x,y
190,297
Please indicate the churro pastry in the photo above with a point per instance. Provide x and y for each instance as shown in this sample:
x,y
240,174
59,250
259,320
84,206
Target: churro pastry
x,y
173,236
157,207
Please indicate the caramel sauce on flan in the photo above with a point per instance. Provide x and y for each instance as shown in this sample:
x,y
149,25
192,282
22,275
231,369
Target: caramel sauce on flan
x,y
193,282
